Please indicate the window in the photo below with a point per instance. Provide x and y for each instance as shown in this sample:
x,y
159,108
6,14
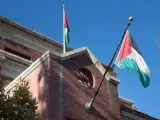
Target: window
x,y
67,118
85,77
17,53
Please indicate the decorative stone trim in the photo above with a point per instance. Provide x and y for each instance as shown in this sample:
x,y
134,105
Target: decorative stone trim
x,y
61,57
6,55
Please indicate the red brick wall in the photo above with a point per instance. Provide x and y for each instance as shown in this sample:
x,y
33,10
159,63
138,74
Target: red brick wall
x,y
61,97
39,80
75,97
19,48
55,104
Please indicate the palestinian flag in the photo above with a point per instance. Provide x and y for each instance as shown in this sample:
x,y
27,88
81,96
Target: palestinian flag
x,y
66,31
130,58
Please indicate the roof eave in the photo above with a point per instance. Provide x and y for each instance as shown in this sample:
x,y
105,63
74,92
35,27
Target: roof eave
x,y
30,32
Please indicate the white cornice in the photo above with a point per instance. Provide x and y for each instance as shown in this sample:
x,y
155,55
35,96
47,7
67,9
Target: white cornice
x,y
27,40
65,56
11,56
27,71
100,67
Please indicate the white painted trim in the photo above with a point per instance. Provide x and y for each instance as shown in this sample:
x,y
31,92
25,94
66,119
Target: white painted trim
x,y
125,100
73,53
102,69
27,40
49,40
95,61
15,57
65,56
27,71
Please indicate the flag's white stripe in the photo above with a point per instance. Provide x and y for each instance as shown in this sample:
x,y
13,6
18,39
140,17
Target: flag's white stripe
x,y
140,61
65,30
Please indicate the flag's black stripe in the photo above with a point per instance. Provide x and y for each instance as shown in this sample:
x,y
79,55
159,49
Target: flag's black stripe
x,y
134,45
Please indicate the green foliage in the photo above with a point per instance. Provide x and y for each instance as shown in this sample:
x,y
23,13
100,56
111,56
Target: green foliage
x,y
20,106
3,101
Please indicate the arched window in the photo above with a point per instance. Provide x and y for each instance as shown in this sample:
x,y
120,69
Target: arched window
x,y
85,77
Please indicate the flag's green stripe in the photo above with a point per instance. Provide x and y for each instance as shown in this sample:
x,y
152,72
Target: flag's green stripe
x,y
145,80
129,64
67,40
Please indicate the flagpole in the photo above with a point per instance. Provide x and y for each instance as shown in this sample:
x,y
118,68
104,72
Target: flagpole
x,y
64,47
89,104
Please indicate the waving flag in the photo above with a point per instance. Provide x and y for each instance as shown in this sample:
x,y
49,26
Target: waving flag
x,y
66,31
130,58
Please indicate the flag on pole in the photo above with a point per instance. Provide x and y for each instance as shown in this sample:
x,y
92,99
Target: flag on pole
x,y
130,57
66,31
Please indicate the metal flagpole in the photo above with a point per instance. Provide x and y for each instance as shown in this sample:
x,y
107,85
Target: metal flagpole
x,y
89,104
64,47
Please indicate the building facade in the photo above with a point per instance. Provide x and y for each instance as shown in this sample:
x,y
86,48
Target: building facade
x,y
61,83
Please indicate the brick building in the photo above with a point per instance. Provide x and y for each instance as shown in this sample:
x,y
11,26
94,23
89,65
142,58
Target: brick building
x,y
62,83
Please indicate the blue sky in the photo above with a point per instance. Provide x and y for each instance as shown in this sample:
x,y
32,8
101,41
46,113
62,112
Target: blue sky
x,y
99,25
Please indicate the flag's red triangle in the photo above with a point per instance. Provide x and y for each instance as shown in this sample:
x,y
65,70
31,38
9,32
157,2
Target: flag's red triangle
x,y
125,49
65,20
